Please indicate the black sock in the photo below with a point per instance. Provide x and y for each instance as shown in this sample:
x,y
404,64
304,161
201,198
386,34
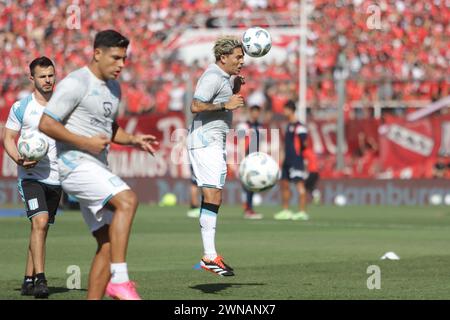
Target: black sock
x,y
193,207
40,276
211,207
28,279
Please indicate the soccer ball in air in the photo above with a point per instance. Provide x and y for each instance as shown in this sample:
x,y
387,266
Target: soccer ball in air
x,y
32,146
258,172
256,42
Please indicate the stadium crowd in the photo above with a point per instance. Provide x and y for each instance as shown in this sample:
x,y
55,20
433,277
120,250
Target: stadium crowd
x,y
402,57
405,58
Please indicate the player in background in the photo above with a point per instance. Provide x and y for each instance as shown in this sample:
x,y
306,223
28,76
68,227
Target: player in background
x,y
215,98
293,168
313,174
38,182
194,211
251,129
81,117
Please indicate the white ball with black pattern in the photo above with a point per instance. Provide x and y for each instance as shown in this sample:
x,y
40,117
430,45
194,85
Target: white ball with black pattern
x,y
259,172
32,146
256,42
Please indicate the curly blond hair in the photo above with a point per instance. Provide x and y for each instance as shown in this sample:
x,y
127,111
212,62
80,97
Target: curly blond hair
x,y
225,45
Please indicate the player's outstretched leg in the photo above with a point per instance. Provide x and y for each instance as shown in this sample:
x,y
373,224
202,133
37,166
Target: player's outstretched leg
x,y
125,205
100,270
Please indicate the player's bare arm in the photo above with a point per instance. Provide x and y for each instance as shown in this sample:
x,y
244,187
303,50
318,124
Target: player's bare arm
x,y
146,142
57,131
236,101
9,142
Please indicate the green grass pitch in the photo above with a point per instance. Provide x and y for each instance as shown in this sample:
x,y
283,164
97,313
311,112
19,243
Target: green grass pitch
x,y
324,258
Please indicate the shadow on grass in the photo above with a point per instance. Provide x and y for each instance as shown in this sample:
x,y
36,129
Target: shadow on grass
x,y
217,287
53,290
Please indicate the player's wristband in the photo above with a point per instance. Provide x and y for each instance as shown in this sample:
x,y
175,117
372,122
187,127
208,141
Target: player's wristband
x,y
219,106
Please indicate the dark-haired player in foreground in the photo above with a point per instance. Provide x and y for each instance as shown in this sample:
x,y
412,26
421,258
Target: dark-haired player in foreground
x,y
81,117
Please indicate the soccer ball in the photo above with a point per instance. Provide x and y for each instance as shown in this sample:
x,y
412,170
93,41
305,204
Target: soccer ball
x,y
258,172
32,146
256,42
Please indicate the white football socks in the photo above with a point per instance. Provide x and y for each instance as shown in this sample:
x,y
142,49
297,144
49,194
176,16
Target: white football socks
x,y
119,272
208,228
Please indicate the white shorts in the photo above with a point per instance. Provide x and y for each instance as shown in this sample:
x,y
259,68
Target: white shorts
x,y
93,185
209,166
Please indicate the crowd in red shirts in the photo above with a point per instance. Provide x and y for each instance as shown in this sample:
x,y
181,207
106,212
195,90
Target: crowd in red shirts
x,y
392,50
400,52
